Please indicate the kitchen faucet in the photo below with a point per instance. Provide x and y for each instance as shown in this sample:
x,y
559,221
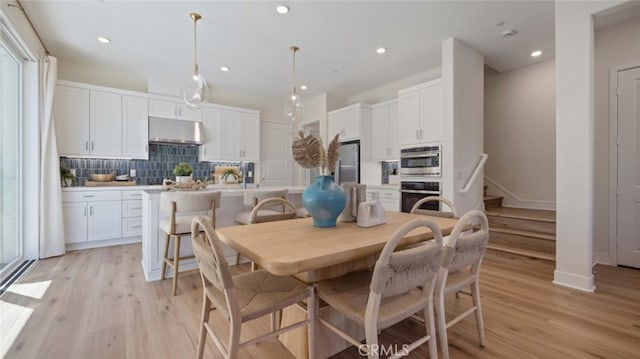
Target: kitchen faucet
x,y
244,174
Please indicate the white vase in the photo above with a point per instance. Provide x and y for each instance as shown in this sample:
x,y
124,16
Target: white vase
x,y
184,179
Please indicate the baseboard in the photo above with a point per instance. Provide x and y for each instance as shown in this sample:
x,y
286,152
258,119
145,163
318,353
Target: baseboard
x,y
574,281
99,244
512,200
602,258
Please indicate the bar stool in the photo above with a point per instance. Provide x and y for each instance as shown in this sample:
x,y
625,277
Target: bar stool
x,y
182,208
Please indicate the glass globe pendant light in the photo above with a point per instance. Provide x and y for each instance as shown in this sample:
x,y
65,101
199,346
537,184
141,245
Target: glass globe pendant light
x,y
293,104
196,93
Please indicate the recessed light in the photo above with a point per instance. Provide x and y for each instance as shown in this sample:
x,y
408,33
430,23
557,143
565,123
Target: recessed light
x,y
303,87
104,40
225,68
282,9
536,53
381,50
509,33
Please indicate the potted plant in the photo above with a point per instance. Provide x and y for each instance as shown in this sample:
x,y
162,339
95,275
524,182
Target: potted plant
x,y
183,173
230,176
66,177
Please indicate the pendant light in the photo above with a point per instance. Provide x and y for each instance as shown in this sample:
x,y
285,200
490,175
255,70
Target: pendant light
x,y
196,93
293,104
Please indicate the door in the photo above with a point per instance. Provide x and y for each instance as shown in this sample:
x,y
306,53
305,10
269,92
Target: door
x,y
409,118
231,129
431,129
105,220
214,138
380,133
135,127
629,167
348,164
275,164
106,124
75,216
71,111
250,137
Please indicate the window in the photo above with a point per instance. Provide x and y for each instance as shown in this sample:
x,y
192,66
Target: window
x,y
10,124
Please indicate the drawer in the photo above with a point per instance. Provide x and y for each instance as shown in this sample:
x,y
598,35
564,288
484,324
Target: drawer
x,y
390,205
127,195
132,227
131,208
91,196
393,195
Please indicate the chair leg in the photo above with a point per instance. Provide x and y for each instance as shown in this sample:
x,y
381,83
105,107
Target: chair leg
x,y
164,255
475,290
430,326
442,325
176,262
312,307
237,258
204,318
371,335
253,266
234,338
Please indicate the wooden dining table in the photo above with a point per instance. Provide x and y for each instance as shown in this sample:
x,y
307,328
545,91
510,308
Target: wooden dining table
x,y
295,247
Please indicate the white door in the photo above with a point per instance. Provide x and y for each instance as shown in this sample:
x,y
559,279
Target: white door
x,y
105,220
106,124
72,120
629,168
75,221
211,149
250,137
409,118
276,154
135,127
380,133
231,130
431,129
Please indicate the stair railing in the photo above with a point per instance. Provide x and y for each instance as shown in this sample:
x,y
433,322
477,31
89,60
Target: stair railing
x,y
476,173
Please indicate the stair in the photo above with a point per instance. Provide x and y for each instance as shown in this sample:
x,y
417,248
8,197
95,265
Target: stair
x,y
520,231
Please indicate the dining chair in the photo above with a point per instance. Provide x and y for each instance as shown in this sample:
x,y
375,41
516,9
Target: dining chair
x,y
259,215
244,297
430,212
401,284
182,207
460,269
252,198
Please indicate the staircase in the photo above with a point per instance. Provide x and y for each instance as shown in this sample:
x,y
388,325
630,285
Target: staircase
x,y
526,232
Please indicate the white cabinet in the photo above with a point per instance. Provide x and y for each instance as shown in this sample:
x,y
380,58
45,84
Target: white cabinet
x,y
92,216
389,198
135,127
384,131
131,213
211,149
71,111
351,122
105,124
420,114
174,110
250,136
241,135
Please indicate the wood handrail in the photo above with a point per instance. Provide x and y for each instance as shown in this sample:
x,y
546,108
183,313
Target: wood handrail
x,y
476,171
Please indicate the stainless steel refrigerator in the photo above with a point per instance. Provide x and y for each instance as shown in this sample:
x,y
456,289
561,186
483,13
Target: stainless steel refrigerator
x,y
348,168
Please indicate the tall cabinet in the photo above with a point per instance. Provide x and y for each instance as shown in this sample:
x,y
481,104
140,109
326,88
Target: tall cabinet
x,y
230,134
420,114
384,131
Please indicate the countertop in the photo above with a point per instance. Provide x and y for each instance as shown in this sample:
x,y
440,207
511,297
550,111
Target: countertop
x,y
229,189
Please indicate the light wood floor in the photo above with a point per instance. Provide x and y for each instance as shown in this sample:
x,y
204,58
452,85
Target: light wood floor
x,y
96,303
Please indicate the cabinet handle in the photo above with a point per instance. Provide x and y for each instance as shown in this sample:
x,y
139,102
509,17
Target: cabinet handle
x,y
421,134
140,226
91,211
136,207
146,148
135,195
86,145
91,145
88,196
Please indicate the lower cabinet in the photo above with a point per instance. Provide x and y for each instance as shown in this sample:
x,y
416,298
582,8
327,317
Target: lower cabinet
x,y
389,198
96,219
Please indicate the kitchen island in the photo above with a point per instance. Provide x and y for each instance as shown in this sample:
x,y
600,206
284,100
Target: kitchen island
x,y
232,203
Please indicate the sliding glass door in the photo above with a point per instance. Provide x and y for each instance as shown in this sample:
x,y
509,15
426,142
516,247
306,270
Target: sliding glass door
x,y
10,119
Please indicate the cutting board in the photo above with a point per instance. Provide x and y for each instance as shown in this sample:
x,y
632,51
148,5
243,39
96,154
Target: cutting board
x,y
109,183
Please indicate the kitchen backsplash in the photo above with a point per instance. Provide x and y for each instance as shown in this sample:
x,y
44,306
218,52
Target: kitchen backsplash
x,y
162,160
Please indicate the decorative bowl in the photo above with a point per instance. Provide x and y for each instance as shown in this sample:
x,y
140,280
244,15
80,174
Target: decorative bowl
x,y
103,177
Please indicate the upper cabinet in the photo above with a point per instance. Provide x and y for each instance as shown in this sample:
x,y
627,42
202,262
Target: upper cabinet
x,y
94,123
351,122
384,131
174,110
420,114
230,135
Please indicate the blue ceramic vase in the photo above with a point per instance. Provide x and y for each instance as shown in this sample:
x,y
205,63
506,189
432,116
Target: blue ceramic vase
x,y
324,200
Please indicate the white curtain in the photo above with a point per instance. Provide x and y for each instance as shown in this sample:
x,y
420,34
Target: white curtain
x,y
51,221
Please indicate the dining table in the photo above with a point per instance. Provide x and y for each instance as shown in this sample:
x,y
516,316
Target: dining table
x,y
311,254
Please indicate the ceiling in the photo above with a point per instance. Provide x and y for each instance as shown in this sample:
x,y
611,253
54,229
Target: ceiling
x,y
337,39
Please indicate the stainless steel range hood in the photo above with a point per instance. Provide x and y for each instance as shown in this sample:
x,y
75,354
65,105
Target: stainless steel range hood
x,y
165,130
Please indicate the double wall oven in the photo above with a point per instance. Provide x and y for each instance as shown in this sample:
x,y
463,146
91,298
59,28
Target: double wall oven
x,y
420,175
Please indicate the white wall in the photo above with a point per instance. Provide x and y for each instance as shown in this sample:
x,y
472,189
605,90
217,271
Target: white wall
x,y
463,122
520,135
116,77
390,91
612,48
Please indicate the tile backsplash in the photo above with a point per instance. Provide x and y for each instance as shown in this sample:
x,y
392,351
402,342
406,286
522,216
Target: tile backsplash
x,y
162,159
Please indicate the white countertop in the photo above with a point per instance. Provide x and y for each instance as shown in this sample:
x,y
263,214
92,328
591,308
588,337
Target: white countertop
x,y
224,187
